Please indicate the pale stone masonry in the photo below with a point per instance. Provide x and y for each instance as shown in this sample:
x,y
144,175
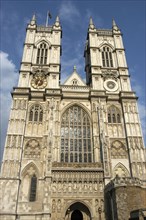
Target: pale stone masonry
x,y
73,150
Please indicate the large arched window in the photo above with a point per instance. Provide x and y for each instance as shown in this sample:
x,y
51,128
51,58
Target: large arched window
x,y
36,113
114,115
33,187
42,54
107,60
75,136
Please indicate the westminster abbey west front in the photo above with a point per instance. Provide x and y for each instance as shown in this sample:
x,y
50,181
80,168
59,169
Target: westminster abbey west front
x,y
73,151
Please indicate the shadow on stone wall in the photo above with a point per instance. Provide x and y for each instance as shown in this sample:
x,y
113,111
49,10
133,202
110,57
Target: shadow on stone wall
x,y
123,195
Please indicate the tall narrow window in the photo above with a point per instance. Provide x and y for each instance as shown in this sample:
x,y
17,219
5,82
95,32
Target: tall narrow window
x,y
107,60
42,54
41,116
36,113
118,118
113,118
33,187
114,115
31,115
109,118
76,136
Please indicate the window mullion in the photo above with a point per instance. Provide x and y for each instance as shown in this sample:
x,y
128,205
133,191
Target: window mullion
x,y
76,134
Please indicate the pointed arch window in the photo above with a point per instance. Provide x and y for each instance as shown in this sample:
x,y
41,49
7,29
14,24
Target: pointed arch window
x,y
30,115
42,54
33,187
36,113
74,82
114,115
107,60
75,136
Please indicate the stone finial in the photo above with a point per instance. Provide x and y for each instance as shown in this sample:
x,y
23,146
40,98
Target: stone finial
x,y
91,24
57,22
75,68
114,25
57,19
33,20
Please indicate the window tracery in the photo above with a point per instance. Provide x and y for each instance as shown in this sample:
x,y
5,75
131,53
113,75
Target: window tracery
x,y
32,149
29,183
107,59
118,150
114,115
42,53
120,170
75,136
36,113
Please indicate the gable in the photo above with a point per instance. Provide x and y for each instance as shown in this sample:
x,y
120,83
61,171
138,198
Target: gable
x,y
74,80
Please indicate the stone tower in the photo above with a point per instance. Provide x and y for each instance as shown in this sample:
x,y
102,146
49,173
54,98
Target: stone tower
x,y
73,150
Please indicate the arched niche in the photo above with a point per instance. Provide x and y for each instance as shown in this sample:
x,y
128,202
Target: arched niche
x,y
29,171
120,170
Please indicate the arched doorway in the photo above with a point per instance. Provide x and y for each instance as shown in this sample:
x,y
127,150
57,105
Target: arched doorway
x,y
76,215
77,211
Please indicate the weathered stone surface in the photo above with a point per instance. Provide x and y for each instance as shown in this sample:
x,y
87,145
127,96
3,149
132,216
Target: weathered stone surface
x,y
71,149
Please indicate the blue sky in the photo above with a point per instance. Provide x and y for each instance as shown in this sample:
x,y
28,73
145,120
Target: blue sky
x,y
130,16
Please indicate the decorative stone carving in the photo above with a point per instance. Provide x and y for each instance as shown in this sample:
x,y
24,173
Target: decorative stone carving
x,y
53,205
110,75
120,170
40,70
32,149
74,182
118,150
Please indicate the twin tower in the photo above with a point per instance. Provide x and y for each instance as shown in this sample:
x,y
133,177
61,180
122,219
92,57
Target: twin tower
x,y
73,151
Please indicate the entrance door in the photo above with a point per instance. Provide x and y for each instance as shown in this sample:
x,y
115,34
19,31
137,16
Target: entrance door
x,y
77,211
76,215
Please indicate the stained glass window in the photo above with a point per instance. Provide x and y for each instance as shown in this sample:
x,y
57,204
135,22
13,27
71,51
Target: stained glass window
x,y
75,136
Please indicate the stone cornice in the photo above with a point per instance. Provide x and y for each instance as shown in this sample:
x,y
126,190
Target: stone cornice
x,y
128,95
124,181
82,167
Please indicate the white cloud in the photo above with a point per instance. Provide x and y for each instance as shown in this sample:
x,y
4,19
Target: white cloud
x,y
97,20
9,77
8,72
68,64
68,12
136,87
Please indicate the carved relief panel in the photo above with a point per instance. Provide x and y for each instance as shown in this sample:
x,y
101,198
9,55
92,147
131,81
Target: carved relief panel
x,y
118,150
32,149
74,182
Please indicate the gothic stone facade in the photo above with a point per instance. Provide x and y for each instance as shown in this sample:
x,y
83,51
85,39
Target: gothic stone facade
x,y
73,150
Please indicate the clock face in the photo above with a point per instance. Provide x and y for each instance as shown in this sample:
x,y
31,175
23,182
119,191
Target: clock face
x,y
111,85
38,82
